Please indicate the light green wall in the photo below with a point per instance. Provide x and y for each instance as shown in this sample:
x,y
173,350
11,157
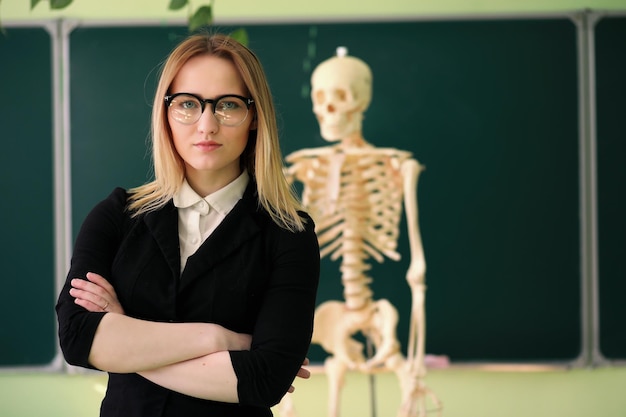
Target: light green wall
x,y
259,10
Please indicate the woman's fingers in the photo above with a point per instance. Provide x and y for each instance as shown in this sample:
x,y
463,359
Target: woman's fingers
x,y
95,294
303,373
89,287
101,282
89,305
88,296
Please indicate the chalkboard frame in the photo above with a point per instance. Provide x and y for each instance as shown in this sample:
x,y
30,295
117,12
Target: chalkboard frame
x,y
606,86
64,228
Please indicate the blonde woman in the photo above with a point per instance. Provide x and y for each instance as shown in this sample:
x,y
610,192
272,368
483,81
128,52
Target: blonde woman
x,y
196,291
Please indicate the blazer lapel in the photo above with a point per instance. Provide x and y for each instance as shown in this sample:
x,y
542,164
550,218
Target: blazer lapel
x,y
236,229
163,224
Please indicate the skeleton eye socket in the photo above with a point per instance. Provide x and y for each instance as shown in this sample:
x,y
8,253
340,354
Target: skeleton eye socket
x,y
341,95
320,97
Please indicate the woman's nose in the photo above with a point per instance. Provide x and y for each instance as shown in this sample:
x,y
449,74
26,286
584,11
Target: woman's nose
x,y
207,122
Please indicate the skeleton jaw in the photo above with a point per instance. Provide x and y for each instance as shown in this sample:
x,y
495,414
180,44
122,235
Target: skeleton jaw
x,y
338,126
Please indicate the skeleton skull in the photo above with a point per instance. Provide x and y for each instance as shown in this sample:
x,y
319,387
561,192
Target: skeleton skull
x,y
341,92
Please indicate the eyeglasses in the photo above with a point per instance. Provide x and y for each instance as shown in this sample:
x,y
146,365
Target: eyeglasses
x,y
229,110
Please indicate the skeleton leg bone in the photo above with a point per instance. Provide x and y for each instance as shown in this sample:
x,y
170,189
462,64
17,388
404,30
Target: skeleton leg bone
x,y
334,326
335,371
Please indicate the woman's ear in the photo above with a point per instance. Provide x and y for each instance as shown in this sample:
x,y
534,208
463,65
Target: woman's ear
x,y
254,124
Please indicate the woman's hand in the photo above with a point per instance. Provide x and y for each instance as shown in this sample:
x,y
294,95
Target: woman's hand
x,y
95,294
302,373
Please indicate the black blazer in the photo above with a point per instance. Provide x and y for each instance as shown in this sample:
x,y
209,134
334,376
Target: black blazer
x,y
250,276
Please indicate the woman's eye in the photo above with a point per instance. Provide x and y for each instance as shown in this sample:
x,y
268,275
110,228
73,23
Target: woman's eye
x,y
189,104
228,105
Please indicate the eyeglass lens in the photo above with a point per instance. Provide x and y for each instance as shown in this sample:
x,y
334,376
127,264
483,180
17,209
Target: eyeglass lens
x,y
228,110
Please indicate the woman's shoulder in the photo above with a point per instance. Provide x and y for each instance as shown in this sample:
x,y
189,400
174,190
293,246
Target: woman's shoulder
x,y
119,195
286,226
116,199
275,221
109,215
114,205
291,233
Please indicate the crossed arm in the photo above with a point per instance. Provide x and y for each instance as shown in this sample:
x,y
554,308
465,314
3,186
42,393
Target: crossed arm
x,y
173,355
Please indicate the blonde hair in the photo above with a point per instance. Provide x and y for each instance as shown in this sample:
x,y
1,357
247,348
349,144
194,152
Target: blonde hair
x,y
261,158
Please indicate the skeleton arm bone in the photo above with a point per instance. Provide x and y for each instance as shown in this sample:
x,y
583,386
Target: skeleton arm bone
x,y
417,268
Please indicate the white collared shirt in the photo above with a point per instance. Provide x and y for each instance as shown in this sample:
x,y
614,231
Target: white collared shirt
x,y
198,217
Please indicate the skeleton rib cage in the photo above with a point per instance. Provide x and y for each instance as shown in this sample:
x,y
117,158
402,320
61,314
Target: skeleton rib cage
x,y
355,197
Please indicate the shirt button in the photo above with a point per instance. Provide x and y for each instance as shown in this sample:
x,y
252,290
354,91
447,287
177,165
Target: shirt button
x,y
194,240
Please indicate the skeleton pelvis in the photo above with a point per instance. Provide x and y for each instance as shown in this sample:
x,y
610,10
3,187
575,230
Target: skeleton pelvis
x,y
335,324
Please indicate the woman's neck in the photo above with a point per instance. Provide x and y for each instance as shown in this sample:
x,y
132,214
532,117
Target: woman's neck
x,y
207,182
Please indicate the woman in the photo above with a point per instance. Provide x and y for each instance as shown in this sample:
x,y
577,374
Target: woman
x,y
196,291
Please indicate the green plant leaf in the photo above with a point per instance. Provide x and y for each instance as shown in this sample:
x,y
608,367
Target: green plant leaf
x,y
203,16
177,4
34,3
59,4
240,35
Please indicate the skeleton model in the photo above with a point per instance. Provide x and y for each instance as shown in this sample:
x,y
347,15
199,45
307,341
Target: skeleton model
x,y
355,193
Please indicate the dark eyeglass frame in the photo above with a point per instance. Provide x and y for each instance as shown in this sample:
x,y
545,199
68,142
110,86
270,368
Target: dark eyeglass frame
x,y
203,102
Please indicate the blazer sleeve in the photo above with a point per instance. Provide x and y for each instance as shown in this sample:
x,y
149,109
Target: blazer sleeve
x,y
284,326
94,249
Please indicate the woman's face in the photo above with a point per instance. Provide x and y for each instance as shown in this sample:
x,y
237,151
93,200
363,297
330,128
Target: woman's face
x,y
211,151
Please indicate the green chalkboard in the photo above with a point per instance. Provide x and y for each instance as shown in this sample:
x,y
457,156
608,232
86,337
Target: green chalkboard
x,y
490,107
113,75
27,217
610,46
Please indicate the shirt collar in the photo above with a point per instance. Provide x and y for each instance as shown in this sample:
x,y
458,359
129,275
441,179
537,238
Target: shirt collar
x,y
222,200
